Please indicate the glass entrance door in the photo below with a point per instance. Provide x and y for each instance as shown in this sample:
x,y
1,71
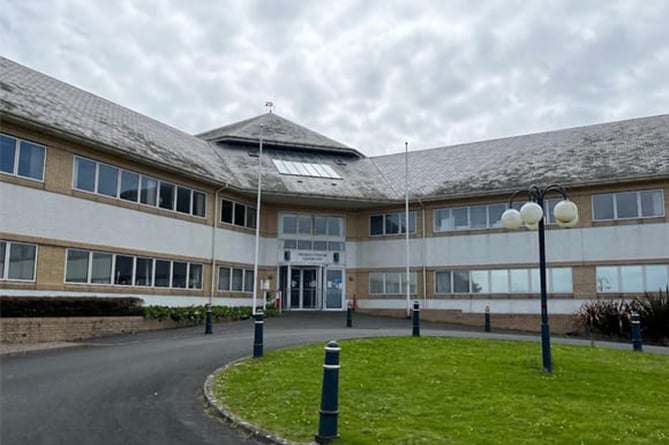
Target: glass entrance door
x,y
304,288
334,289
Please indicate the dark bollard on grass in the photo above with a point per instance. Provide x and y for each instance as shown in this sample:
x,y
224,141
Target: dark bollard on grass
x,y
636,332
416,319
208,321
258,337
329,412
486,320
349,314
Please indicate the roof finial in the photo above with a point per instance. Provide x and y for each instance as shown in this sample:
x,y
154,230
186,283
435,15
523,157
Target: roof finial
x,y
269,105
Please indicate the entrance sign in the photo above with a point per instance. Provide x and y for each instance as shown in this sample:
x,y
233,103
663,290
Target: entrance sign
x,y
310,257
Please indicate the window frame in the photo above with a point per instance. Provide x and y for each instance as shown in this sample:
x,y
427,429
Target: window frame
x,y
413,278
402,221
17,158
230,272
4,274
639,206
620,282
528,272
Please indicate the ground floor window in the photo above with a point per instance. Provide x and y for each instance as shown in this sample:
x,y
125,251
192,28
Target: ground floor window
x,y
390,283
632,278
17,261
502,281
235,279
92,267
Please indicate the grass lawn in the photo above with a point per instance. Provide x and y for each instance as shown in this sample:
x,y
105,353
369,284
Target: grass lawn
x,y
458,391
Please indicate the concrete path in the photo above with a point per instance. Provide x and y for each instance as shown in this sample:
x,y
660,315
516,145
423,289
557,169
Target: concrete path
x,y
147,388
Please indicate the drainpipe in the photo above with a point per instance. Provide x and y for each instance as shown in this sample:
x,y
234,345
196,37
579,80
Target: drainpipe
x,y
212,291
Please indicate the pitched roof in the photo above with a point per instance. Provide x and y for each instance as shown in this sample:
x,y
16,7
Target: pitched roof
x,y
624,150
34,97
277,131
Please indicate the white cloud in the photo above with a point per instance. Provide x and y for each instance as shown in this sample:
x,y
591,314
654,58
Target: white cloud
x,y
371,74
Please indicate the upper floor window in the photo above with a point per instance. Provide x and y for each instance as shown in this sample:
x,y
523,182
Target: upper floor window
x,y
632,278
21,158
625,205
238,214
391,223
17,261
107,180
502,281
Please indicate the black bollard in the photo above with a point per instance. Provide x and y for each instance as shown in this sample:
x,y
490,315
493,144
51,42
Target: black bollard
x,y
487,319
257,338
208,321
327,423
636,332
349,314
416,319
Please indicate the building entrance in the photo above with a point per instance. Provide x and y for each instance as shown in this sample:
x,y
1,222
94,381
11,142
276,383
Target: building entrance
x,y
312,287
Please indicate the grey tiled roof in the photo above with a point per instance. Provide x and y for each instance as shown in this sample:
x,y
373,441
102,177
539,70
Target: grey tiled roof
x,y
33,96
636,148
278,131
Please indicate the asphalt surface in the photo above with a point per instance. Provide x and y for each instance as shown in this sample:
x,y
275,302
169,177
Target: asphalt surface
x,y
147,388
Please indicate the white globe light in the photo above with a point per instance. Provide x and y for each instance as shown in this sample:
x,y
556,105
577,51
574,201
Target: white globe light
x,y
511,219
565,212
532,226
572,223
531,213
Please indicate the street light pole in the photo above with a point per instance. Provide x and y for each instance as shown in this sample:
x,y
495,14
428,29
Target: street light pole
x,y
531,215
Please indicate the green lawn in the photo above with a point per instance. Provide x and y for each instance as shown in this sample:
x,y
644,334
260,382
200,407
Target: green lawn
x,y
458,391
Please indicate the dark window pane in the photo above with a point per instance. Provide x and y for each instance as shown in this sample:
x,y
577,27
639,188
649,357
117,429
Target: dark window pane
x,y
101,272
376,225
289,223
320,245
7,154
166,196
77,266
84,174
248,281
478,218
443,220
183,200
335,226
392,223
199,203
290,244
443,282
195,276
226,211
21,261
124,266
602,207
223,278
163,273
495,215
240,214
31,161
251,217
459,216
320,225
626,205
237,280
652,203
179,271
304,244
461,281
412,222
107,180
149,191
335,245
129,186
3,247
144,272
304,224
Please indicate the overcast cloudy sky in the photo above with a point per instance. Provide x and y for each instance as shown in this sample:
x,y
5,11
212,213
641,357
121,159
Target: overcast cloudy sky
x,y
371,74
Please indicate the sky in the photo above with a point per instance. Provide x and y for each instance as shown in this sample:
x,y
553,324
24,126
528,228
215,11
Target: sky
x,y
371,74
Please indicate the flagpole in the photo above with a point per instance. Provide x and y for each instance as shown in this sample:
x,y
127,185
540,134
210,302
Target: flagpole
x,y
255,264
406,224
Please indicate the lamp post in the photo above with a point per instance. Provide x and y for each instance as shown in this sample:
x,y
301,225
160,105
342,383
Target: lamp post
x,y
531,215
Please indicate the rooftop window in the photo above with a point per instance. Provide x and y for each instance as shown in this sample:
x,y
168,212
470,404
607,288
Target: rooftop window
x,y
312,169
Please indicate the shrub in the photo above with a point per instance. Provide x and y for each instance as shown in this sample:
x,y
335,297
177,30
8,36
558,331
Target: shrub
x,y
69,306
613,318
197,314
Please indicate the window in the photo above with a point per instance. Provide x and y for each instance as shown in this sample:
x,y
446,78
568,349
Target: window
x,y
296,168
391,224
313,232
238,214
625,205
21,158
502,281
17,261
390,283
234,279
632,278
84,266
95,177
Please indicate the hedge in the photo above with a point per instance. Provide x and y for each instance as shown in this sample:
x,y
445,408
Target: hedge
x,y
70,307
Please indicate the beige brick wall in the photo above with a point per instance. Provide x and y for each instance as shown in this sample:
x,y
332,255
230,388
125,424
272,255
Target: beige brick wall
x,y
52,329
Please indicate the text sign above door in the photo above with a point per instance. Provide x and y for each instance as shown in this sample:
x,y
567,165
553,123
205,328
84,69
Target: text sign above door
x,y
307,257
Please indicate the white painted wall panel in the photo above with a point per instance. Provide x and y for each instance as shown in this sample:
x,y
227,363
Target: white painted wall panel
x,y
497,306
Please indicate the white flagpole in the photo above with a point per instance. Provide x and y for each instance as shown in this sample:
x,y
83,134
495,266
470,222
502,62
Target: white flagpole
x,y
255,264
406,223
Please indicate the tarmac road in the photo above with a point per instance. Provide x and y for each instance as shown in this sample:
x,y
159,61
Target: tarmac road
x,y
147,388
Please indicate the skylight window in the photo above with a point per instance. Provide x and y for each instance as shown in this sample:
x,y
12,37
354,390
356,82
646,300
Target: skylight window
x,y
305,169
